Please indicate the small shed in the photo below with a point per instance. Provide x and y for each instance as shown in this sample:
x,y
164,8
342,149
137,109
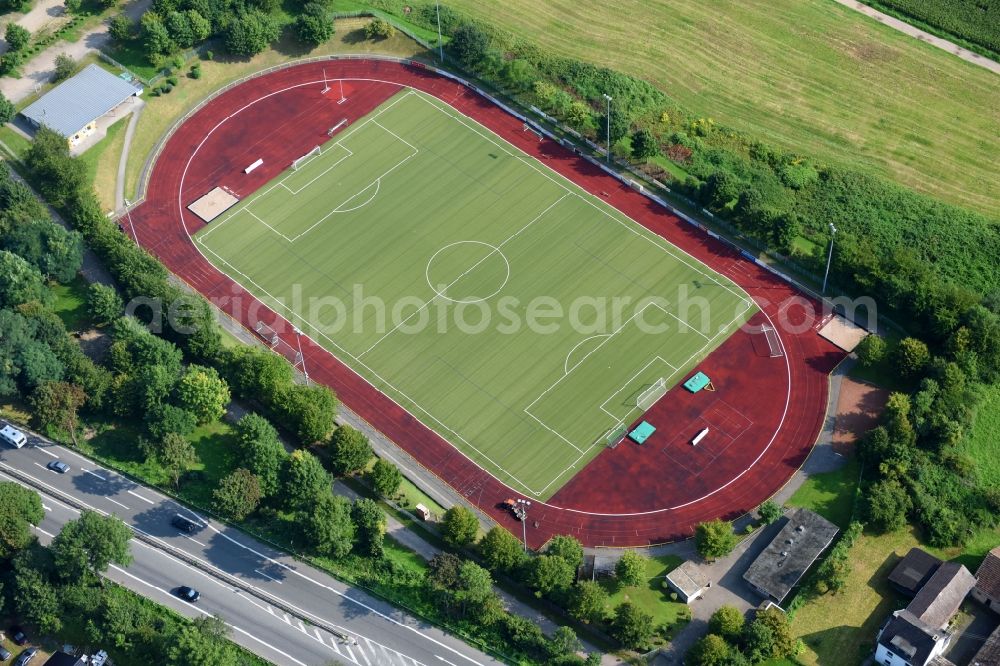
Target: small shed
x,y
423,512
913,571
688,581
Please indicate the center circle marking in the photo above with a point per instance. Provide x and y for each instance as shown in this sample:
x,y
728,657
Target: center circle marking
x,y
494,250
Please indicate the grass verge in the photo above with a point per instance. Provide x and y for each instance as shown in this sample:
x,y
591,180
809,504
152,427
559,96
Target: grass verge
x,y
652,596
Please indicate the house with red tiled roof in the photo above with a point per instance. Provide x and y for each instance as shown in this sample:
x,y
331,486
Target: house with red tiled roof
x,y
987,589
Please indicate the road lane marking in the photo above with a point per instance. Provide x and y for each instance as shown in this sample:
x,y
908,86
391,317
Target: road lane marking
x,y
43,450
283,654
350,655
47,508
302,628
147,501
318,637
444,660
93,474
266,576
117,502
195,540
48,534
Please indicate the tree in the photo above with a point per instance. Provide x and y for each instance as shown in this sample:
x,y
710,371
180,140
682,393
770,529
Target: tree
x,y
501,550
379,28
770,512
329,527
202,643
37,600
469,44
886,505
459,526
564,641
304,480
768,636
261,451
631,569
308,411
120,28
17,37
370,523
238,495
314,25
201,391
60,178
588,602
103,303
912,356
568,548
250,33
385,478
201,27
20,508
350,450
7,109
714,539
710,650
644,144
727,622
56,406
65,67
49,247
22,282
548,574
89,544
632,626
871,350
175,454
179,27
474,595
155,36
163,419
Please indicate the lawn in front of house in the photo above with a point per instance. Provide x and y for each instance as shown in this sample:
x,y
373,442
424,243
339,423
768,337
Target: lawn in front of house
x,y
651,596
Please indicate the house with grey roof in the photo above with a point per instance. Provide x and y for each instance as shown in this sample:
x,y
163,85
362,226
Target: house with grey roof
x,y
918,635
913,571
688,581
74,106
786,559
989,654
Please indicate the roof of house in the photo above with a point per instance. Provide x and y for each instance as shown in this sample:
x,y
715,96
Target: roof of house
x,y
941,596
988,575
776,570
59,658
914,570
77,101
907,636
989,654
688,578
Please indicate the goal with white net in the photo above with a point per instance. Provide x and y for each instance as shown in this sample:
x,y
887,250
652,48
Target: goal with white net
x,y
773,342
305,158
648,397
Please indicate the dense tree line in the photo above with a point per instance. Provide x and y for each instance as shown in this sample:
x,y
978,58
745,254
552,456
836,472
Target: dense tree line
x,y
732,641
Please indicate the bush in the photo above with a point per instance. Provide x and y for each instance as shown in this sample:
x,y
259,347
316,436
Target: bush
x,y
871,350
715,539
314,25
195,73
631,569
727,622
120,28
17,37
379,28
459,526
632,627
65,68
172,80
770,512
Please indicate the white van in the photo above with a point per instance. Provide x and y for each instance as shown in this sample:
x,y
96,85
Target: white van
x,y
12,437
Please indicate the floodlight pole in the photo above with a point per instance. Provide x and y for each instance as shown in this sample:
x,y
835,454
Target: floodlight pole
x,y
829,258
128,212
440,44
298,340
608,126
524,521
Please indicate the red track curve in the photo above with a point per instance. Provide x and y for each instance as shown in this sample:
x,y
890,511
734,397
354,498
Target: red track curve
x,y
768,411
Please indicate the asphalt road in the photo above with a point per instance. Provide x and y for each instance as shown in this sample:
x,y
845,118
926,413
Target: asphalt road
x,y
377,633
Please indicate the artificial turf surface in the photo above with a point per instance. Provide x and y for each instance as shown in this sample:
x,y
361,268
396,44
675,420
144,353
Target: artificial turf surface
x,y
504,307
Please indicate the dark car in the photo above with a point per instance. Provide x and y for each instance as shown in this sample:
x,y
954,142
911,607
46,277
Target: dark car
x,y
26,656
188,594
58,466
4,654
18,636
184,524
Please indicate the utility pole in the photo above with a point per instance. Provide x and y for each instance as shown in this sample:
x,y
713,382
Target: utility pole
x,y
607,128
829,257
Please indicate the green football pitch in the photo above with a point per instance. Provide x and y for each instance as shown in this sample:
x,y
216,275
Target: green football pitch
x,y
521,318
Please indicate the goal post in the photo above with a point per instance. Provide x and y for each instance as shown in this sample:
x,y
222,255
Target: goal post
x,y
299,161
649,396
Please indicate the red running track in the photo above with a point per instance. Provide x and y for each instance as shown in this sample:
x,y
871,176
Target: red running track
x,y
765,413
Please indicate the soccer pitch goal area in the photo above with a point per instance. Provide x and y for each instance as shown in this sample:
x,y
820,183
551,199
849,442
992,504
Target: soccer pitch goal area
x,y
507,309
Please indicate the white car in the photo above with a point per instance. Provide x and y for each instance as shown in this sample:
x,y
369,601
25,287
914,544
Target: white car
x,y
12,437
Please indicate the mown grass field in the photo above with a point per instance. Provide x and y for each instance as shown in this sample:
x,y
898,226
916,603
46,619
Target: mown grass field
x,y
983,442
461,236
812,76
651,596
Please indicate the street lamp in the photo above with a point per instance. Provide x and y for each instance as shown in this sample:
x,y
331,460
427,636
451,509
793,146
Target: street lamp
x,y
440,45
607,128
302,359
128,212
829,257
524,520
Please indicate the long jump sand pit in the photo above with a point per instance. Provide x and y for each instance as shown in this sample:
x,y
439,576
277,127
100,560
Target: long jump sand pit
x,y
213,204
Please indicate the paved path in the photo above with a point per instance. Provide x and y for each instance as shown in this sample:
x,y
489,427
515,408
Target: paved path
x,y
123,159
917,33
38,71
44,12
